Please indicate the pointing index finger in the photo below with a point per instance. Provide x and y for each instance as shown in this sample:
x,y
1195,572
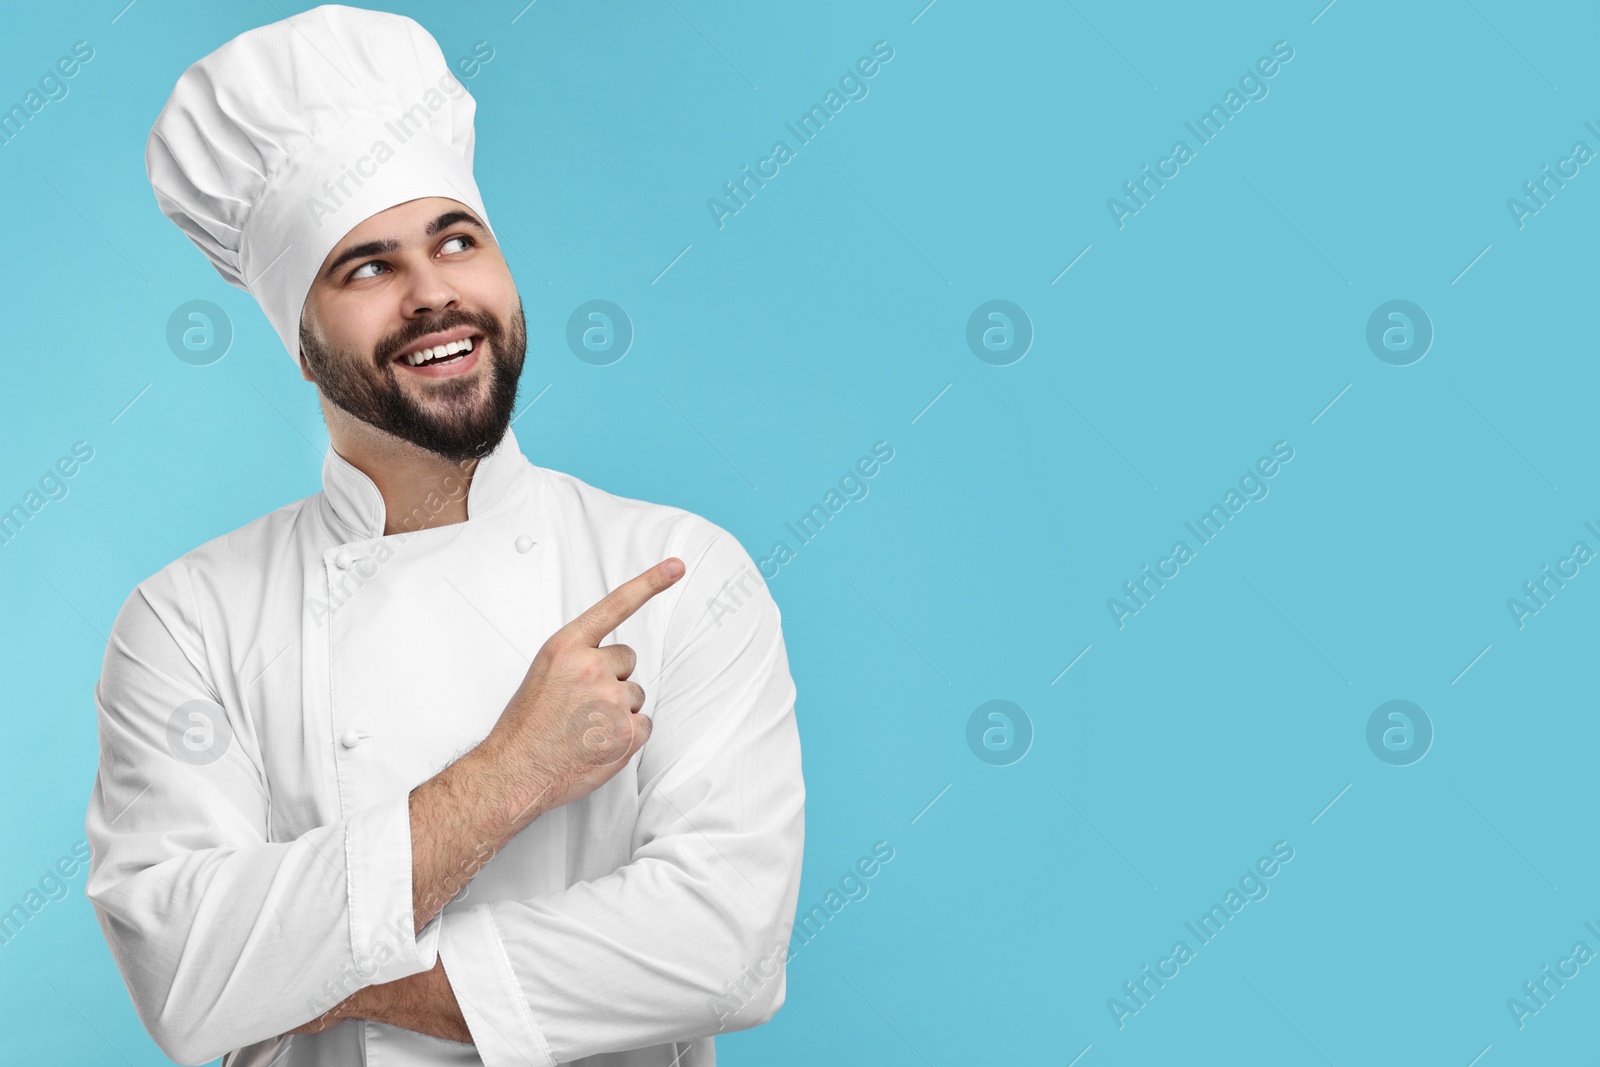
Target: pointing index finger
x,y
616,606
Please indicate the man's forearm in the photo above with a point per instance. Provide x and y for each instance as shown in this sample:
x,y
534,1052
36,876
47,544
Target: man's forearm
x,y
460,818
424,1003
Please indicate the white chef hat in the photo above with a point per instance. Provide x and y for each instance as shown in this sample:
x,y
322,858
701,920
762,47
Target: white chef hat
x,y
276,145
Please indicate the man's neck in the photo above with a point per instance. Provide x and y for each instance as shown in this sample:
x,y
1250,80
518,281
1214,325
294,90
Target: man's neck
x,y
420,489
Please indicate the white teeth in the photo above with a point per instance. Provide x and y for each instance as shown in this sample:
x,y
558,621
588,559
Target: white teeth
x,y
438,352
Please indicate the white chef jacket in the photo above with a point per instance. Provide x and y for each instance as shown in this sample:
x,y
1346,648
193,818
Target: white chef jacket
x,y
246,889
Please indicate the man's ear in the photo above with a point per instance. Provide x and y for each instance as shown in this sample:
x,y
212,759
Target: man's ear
x,y
300,354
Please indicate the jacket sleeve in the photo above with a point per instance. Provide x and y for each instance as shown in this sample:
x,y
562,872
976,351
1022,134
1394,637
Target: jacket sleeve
x,y
223,937
690,937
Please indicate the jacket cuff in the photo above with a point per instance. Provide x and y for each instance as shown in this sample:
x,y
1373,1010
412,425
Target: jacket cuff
x,y
488,993
383,941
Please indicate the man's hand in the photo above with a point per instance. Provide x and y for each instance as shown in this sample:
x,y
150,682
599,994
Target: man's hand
x,y
574,722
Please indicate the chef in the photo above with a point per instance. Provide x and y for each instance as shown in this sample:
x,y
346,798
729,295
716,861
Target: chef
x,y
374,786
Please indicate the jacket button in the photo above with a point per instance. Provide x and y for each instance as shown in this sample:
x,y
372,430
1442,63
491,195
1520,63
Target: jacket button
x,y
525,543
342,559
350,739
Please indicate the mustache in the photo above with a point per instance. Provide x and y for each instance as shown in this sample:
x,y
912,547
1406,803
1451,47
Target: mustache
x,y
484,322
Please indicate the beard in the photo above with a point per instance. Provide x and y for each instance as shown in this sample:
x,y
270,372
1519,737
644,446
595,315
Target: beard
x,y
455,423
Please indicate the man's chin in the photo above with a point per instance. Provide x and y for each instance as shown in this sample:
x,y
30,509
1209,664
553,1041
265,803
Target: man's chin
x,y
453,439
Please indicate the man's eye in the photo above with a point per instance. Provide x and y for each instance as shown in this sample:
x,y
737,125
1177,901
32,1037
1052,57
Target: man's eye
x,y
356,274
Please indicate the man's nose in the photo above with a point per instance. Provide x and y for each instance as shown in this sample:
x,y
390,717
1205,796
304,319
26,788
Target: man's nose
x,y
431,292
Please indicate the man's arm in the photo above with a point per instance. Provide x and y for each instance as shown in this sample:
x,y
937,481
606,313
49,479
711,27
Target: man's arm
x,y
690,937
224,937
568,729
422,1002
460,818
465,814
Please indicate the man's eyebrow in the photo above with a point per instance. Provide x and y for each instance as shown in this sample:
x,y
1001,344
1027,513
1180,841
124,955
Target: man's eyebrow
x,y
389,244
450,218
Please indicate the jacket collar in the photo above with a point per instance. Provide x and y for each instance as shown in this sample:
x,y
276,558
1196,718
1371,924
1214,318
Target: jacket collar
x,y
358,504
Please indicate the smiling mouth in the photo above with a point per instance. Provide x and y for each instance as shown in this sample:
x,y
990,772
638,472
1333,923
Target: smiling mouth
x,y
441,355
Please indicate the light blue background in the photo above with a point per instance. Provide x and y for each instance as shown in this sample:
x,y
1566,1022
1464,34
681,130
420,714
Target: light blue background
x,y
1225,316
